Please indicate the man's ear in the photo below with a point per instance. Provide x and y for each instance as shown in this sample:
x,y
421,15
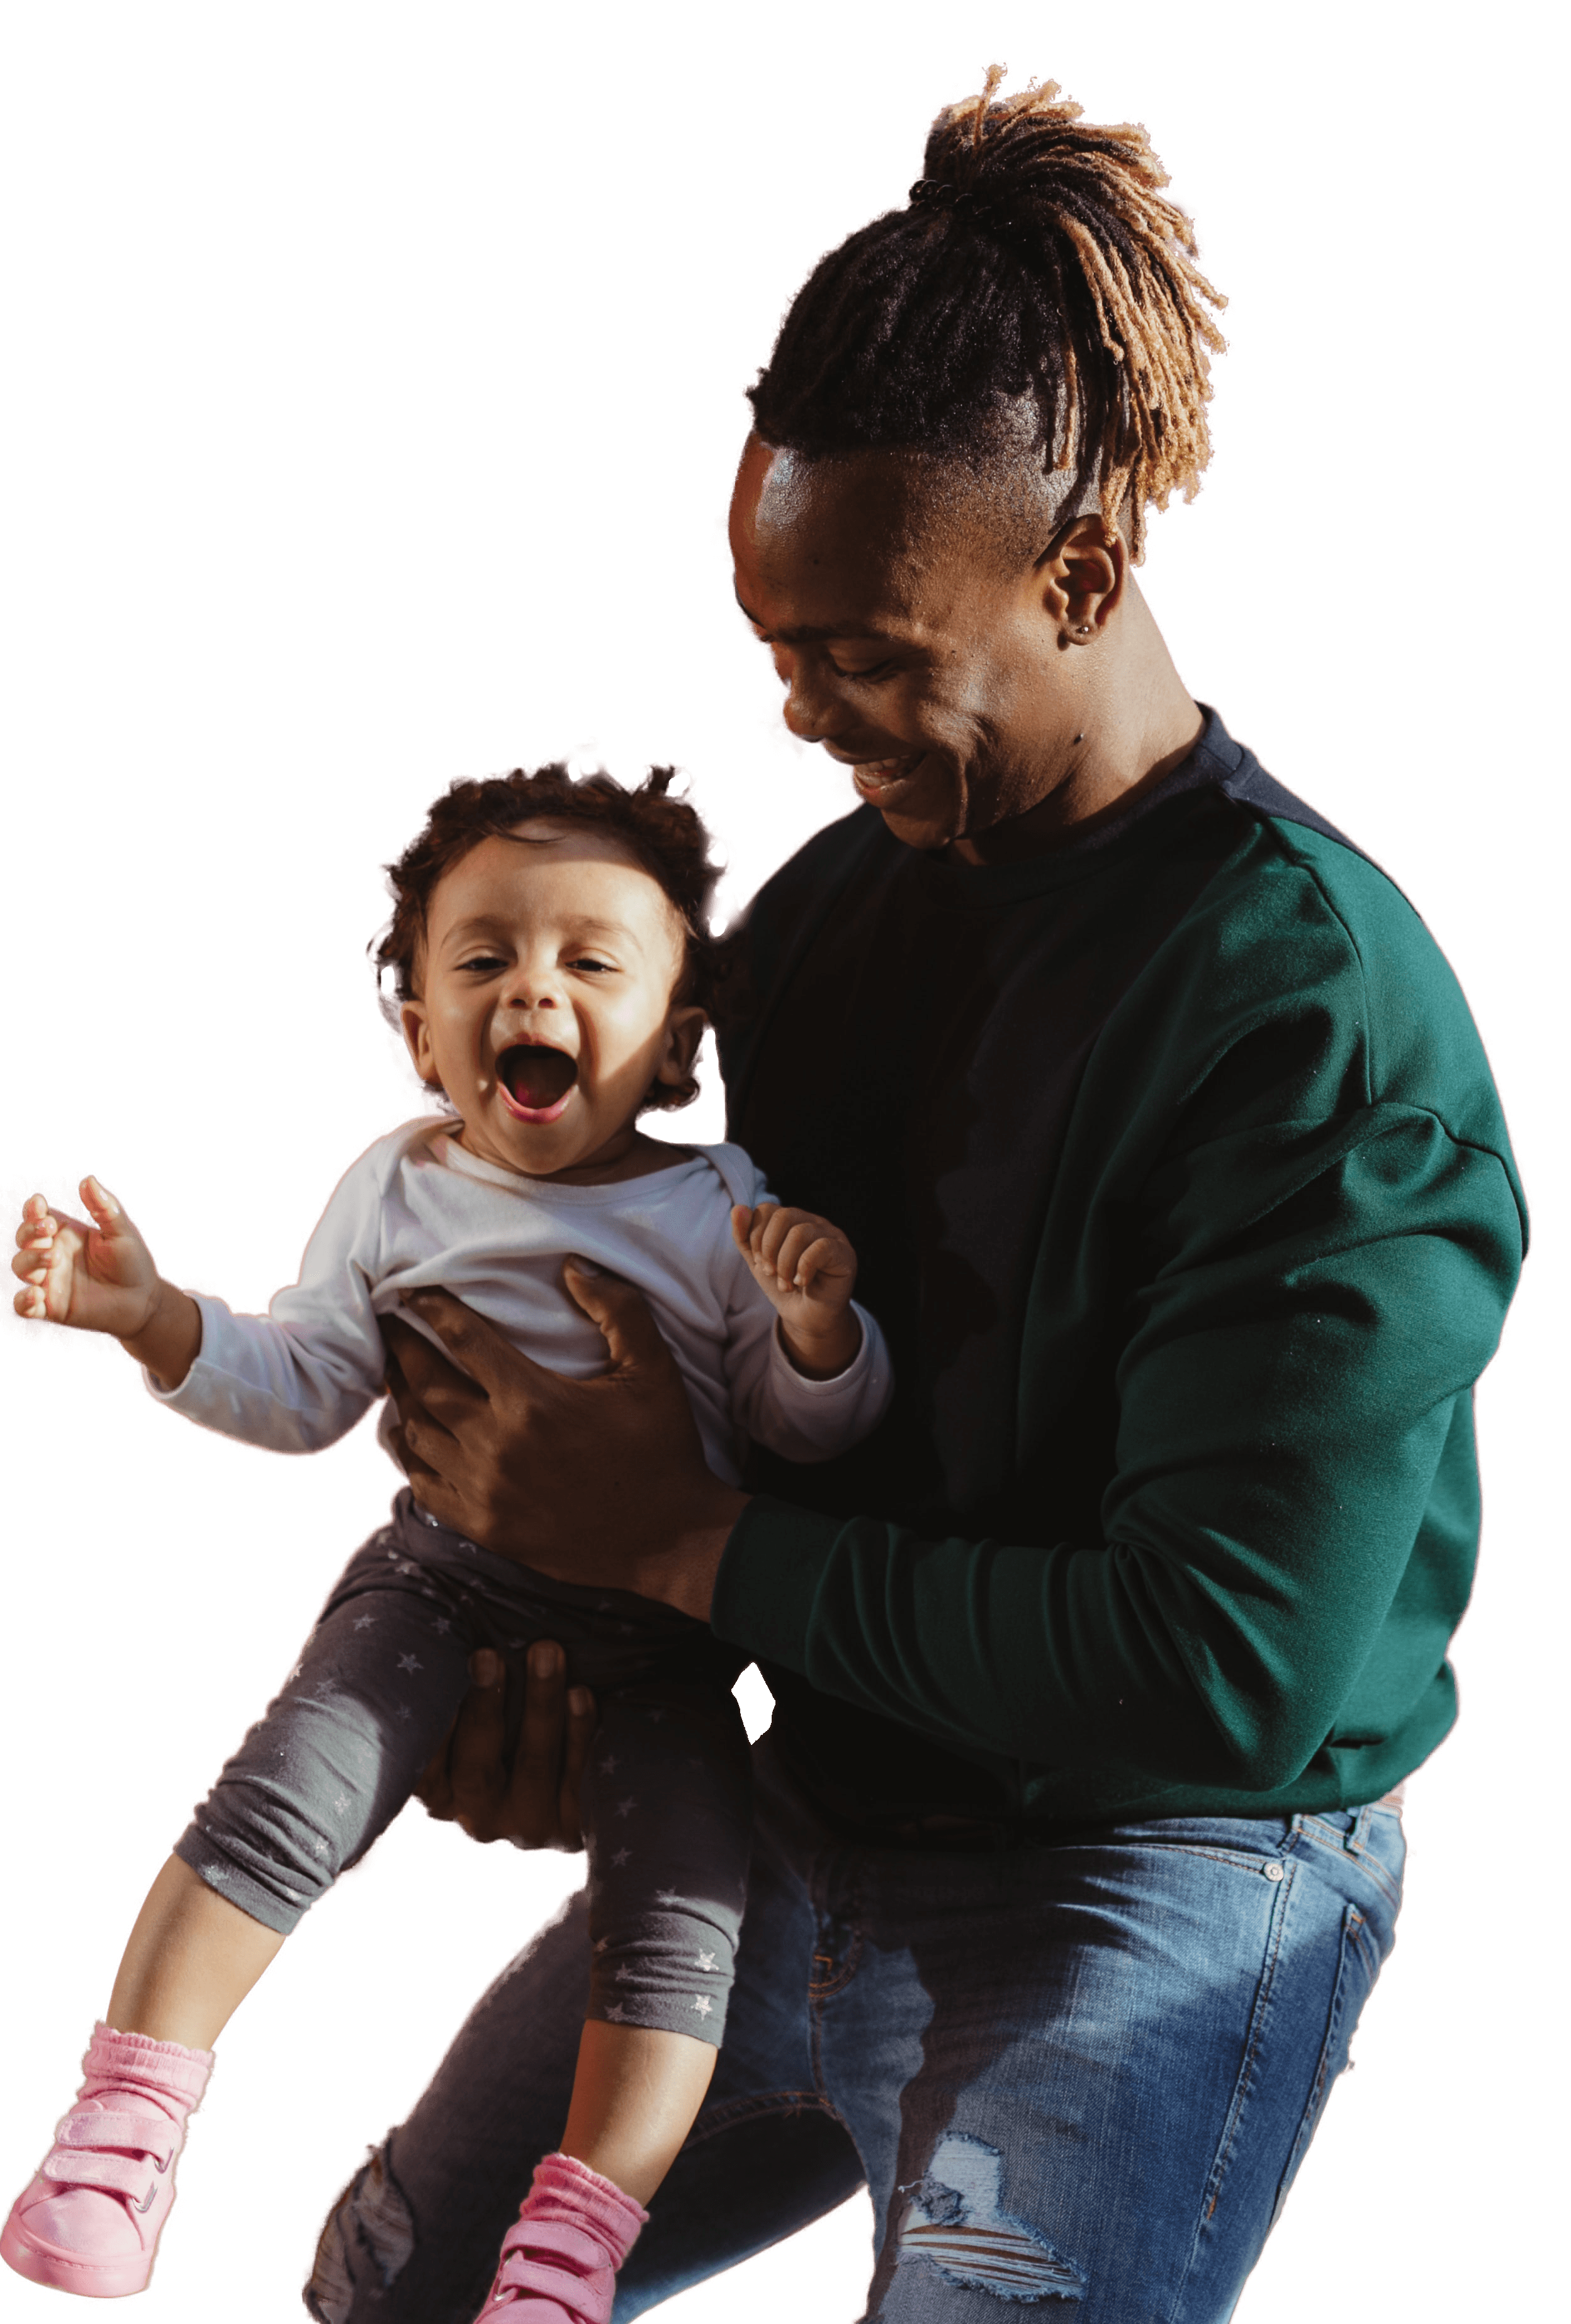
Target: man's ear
x,y
1079,577
417,1038
684,1032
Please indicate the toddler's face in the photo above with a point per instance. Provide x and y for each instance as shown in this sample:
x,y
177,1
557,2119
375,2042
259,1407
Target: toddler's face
x,y
545,1004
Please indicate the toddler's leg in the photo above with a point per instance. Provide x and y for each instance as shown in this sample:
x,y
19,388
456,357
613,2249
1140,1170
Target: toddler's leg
x,y
667,1816
666,1811
339,1750
314,1783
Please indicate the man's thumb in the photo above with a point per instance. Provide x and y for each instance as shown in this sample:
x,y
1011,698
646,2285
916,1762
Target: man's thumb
x,y
632,1336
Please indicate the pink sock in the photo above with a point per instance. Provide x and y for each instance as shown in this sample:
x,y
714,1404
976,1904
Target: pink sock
x,y
147,2076
559,2262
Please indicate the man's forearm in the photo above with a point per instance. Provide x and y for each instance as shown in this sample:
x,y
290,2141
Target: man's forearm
x,y
683,1574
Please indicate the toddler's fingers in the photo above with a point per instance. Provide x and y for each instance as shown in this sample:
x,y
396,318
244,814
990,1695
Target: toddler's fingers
x,y
814,1261
742,1225
104,1211
33,1305
779,1225
764,1216
788,1250
37,1236
31,1266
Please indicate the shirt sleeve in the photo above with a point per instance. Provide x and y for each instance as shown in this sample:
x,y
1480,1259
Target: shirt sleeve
x,y
299,1378
1318,1290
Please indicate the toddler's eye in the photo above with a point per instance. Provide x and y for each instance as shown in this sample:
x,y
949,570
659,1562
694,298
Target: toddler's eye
x,y
484,963
599,967
874,670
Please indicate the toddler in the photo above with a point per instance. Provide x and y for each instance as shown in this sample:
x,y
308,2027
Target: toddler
x,y
552,967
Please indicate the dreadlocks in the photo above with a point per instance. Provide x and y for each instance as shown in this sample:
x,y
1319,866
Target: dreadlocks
x,y
1039,268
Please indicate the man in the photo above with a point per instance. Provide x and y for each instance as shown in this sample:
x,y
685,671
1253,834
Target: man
x,y
1182,1192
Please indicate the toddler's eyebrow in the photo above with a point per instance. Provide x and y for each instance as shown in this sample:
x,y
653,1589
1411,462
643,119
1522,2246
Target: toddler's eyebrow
x,y
484,923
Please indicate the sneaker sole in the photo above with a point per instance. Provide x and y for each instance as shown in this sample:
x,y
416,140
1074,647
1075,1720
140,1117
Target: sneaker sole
x,y
65,2272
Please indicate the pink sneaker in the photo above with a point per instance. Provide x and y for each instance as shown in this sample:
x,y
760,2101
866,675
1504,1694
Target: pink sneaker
x,y
559,2260
90,2222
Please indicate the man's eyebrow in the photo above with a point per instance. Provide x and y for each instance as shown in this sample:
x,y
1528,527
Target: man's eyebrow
x,y
811,635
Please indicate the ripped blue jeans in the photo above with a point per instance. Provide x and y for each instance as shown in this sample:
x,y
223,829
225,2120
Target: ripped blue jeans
x,y
1079,2077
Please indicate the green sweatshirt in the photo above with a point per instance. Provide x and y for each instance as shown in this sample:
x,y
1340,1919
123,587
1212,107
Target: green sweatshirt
x,y
1258,1241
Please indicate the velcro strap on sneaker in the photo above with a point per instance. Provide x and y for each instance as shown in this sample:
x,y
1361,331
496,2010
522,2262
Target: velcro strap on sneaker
x,y
581,2297
556,2241
142,2134
113,2174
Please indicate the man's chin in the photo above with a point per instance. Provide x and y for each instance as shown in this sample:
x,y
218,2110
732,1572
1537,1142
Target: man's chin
x,y
923,820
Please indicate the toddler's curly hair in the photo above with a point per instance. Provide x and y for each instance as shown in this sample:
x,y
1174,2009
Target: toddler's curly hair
x,y
665,835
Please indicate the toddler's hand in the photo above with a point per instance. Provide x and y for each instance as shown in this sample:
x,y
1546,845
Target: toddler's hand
x,y
97,1277
808,1269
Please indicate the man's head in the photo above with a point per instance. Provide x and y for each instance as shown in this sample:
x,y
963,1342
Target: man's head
x,y
551,960
969,406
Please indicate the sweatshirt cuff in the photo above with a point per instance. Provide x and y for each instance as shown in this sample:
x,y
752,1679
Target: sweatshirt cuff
x,y
870,1357
187,1395
767,1585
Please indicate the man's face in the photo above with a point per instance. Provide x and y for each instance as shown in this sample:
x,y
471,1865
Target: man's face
x,y
914,648
545,1007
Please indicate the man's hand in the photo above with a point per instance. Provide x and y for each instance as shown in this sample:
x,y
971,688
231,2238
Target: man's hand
x,y
598,1480
535,1803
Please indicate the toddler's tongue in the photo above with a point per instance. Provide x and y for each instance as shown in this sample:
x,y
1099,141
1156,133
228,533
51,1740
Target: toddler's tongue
x,y
536,1077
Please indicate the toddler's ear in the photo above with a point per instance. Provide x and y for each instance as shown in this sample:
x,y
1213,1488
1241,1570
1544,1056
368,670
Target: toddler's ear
x,y
685,1029
418,1040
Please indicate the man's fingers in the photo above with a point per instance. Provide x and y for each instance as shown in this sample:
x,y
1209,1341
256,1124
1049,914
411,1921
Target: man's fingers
x,y
474,1747
482,1353
543,1710
632,1336
435,1789
574,1759
424,1370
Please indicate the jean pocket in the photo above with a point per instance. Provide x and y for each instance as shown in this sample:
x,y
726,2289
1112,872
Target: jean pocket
x,y
1356,1971
1364,1840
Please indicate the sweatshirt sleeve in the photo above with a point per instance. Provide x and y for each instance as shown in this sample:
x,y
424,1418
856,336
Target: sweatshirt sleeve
x,y
1323,1262
299,1378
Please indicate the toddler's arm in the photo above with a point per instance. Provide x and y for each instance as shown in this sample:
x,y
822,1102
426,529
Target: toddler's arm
x,y
293,1380
814,1377
101,1278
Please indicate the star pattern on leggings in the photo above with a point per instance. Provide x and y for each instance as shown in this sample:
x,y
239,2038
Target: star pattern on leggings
x,y
622,1855
702,2004
366,1622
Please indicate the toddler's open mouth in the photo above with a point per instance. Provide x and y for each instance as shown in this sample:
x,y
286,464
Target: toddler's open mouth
x,y
534,1081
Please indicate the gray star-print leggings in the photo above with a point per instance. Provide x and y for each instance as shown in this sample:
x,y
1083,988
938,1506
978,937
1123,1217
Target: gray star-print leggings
x,y
667,1801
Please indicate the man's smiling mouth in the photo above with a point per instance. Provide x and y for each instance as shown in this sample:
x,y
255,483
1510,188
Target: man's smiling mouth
x,y
877,779
534,1081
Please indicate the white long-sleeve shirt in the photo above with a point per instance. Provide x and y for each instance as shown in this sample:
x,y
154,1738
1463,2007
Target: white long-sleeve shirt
x,y
417,1209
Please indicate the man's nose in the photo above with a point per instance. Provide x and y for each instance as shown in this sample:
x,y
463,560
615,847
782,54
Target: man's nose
x,y
812,708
